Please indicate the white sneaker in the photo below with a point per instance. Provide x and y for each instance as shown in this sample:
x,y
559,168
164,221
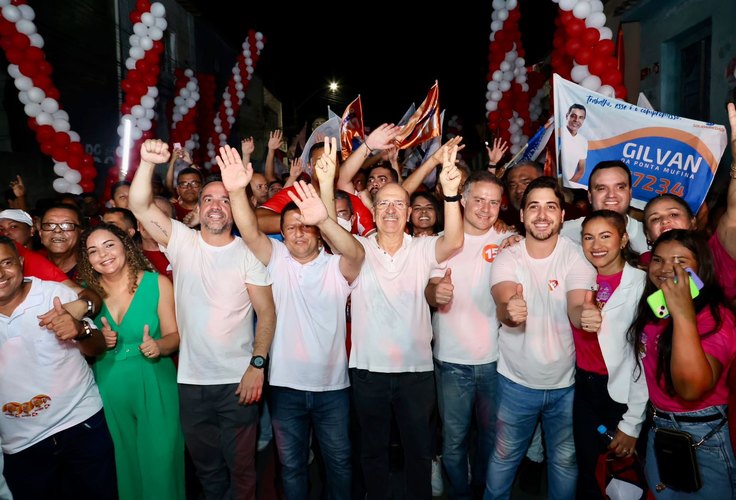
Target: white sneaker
x,y
438,485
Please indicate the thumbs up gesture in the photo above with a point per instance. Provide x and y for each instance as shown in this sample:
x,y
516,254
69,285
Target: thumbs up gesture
x,y
111,337
59,321
149,347
444,291
516,308
590,317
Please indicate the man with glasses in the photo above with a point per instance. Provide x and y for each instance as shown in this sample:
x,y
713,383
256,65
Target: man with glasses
x,y
188,185
60,229
391,355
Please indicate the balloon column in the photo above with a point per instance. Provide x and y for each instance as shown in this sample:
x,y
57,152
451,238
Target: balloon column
x,y
507,91
183,123
206,111
32,77
233,95
143,64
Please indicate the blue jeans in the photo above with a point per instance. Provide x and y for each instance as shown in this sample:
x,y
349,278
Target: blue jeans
x,y
461,391
328,412
519,409
715,458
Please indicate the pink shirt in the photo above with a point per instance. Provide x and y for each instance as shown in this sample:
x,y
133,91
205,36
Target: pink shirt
x,y
720,345
725,266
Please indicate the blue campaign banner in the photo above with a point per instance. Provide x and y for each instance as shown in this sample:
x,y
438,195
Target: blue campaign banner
x,y
665,153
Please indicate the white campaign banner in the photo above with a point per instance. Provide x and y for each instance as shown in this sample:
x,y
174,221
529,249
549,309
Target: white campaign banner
x,y
665,153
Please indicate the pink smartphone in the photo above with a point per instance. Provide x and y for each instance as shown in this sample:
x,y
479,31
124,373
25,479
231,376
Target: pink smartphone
x,y
177,145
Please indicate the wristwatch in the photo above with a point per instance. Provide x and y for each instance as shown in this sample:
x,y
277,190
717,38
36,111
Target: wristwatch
x,y
258,362
90,308
86,332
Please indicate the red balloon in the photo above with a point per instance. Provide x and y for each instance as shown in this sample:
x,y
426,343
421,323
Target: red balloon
x,y
584,55
150,80
32,124
501,36
604,48
135,17
88,172
158,46
597,66
125,85
20,41
566,16
125,108
75,162
45,68
575,28
590,36
62,139
612,78
14,56
611,63
87,186
6,27
47,148
34,54
88,161
621,92
143,6
53,93
45,133
44,83
76,149
573,46
60,153
141,65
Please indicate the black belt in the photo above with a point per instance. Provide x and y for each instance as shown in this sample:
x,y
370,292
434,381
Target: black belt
x,y
687,418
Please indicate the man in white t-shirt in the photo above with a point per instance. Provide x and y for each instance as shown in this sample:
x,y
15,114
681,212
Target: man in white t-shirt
x,y
609,188
218,285
539,288
466,336
308,372
53,430
391,354
573,147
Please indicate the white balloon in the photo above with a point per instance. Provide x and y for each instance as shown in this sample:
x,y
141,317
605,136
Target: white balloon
x,y
177,118
138,111
579,73
223,138
183,93
158,9
73,136
525,87
191,86
36,40
144,124
44,119
595,20
188,73
511,4
136,133
11,13
498,4
581,9
515,148
520,62
591,82
60,185
605,33
240,95
218,129
50,105
61,115
505,66
150,114
148,102
238,86
32,109
596,6
189,144
23,83
161,23
229,111
26,11
508,76
503,14
140,30
231,119
61,168
496,95
155,33
178,100
504,86
26,27
61,126
191,103
259,35
23,97
136,53
130,63
146,43
495,26
606,90
75,189
148,19
13,71
183,110
153,92
134,40
259,46
72,176
35,94
567,4
492,85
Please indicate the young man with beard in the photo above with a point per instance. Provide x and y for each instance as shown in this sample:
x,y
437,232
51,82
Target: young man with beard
x,y
308,384
218,285
539,288
466,336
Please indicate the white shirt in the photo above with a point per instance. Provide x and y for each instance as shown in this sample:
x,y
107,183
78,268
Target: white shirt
x,y
46,384
572,229
573,148
466,329
213,309
540,353
308,349
391,327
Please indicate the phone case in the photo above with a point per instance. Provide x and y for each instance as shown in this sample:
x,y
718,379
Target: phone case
x,y
659,306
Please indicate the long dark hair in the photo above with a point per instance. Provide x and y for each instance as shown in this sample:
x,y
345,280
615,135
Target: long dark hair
x,y
619,222
711,296
438,212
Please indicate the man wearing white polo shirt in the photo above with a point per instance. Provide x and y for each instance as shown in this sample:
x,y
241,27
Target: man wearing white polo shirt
x,y
539,288
391,335
466,336
308,372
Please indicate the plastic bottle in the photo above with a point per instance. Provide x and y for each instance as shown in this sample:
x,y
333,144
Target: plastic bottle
x,y
603,431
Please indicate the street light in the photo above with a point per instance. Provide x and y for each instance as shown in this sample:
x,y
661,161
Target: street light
x,y
334,86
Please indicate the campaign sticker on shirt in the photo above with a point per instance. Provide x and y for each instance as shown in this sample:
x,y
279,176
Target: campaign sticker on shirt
x,y
552,284
490,252
29,408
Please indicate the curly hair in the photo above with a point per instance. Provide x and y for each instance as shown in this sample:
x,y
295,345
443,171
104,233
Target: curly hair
x,y
134,260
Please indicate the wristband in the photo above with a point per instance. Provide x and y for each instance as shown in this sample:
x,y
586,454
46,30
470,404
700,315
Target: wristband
x,y
455,198
86,332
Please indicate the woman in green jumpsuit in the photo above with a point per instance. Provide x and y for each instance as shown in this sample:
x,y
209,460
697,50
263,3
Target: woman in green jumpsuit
x,y
136,378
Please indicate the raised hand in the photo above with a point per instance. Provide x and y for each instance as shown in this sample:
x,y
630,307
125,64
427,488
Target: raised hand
x,y
155,151
247,146
326,166
19,189
499,149
438,155
111,336
590,318
149,347
192,218
445,289
235,176
450,175
275,139
677,294
516,307
382,137
313,211
296,169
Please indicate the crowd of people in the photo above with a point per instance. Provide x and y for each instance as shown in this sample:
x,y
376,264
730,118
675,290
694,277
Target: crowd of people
x,y
486,321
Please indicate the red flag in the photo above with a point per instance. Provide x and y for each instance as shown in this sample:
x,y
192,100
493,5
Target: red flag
x,y
352,133
424,124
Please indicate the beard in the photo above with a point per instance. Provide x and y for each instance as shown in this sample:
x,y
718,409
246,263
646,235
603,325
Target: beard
x,y
543,235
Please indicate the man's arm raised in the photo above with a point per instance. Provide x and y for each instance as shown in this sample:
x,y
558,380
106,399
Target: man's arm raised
x,y
235,177
454,236
140,199
381,138
727,225
415,179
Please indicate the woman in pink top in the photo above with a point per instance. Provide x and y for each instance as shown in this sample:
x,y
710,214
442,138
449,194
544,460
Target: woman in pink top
x,y
685,358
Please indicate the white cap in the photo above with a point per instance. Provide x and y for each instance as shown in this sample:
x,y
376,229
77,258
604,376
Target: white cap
x,y
17,215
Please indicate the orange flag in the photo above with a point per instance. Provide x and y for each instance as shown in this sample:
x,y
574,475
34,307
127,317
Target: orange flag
x,y
352,133
424,124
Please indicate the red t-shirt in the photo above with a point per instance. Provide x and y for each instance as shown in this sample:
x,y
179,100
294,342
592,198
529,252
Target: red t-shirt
x,y
181,212
160,262
362,225
587,349
38,266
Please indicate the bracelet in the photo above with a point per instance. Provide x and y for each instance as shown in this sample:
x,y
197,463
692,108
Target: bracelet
x,y
86,332
455,198
367,146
